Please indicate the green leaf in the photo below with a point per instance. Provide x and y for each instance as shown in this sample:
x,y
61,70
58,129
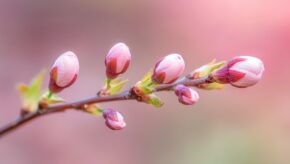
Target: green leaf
x,y
155,101
94,110
147,78
211,86
113,87
117,86
49,98
146,90
146,85
207,69
31,94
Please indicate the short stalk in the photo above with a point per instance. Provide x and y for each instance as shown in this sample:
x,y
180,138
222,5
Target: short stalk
x,y
49,95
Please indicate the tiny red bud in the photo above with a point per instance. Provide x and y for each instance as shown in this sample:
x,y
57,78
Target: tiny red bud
x,y
117,60
168,69
64,72
241,71
186,95
114,119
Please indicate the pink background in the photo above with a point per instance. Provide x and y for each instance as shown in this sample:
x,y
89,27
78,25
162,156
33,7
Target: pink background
x,y
239,126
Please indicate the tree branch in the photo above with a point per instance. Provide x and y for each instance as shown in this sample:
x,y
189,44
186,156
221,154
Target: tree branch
x,y
126,95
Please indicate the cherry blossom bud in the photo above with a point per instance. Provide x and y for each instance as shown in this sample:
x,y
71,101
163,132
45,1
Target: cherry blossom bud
x,y
186,95
114,119
168,69
64,72
241,72
117,61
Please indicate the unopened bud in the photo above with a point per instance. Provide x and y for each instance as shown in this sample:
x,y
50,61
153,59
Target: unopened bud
x,y
117,61
114,119
168,69
241,71
64,72
186,95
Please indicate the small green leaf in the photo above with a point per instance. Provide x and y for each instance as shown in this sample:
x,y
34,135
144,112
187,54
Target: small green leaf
x,y
147,78
211,86
116,87
146,84
113,87
215,66
207,69
146,90
49,98
155,101
31,94
94,110
22,88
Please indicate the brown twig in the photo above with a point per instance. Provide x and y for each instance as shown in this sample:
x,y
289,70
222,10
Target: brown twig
x,y
126,95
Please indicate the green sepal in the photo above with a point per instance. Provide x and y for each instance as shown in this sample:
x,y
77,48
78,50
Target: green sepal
x,y
113,86
31,94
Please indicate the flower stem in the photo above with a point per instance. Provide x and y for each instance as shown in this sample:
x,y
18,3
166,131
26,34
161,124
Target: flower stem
x,y
108,82
49,95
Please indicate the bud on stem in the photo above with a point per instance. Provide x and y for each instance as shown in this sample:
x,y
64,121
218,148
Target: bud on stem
x,y
114,119
168,69
117,60
64,72
186,95
241,72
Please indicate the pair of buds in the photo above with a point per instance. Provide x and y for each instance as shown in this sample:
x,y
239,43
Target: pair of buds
x,y
65,70
241,71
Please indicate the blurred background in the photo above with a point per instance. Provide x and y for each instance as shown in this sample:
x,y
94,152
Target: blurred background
x,y
231,126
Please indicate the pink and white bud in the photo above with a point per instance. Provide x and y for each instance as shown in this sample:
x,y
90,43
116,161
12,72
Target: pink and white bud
x,y
117,60
186,95
241,72
64,72
168,69
114,119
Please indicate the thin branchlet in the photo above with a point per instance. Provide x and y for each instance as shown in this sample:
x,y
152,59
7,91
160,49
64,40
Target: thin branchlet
x,y
126,95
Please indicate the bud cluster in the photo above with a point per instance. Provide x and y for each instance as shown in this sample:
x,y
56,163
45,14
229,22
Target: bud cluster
x,y
241,72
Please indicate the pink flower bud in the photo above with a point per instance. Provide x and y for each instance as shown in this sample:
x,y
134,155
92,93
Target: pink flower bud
x,y
117,61
186,95
64,72
241,71
114,119
168,69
